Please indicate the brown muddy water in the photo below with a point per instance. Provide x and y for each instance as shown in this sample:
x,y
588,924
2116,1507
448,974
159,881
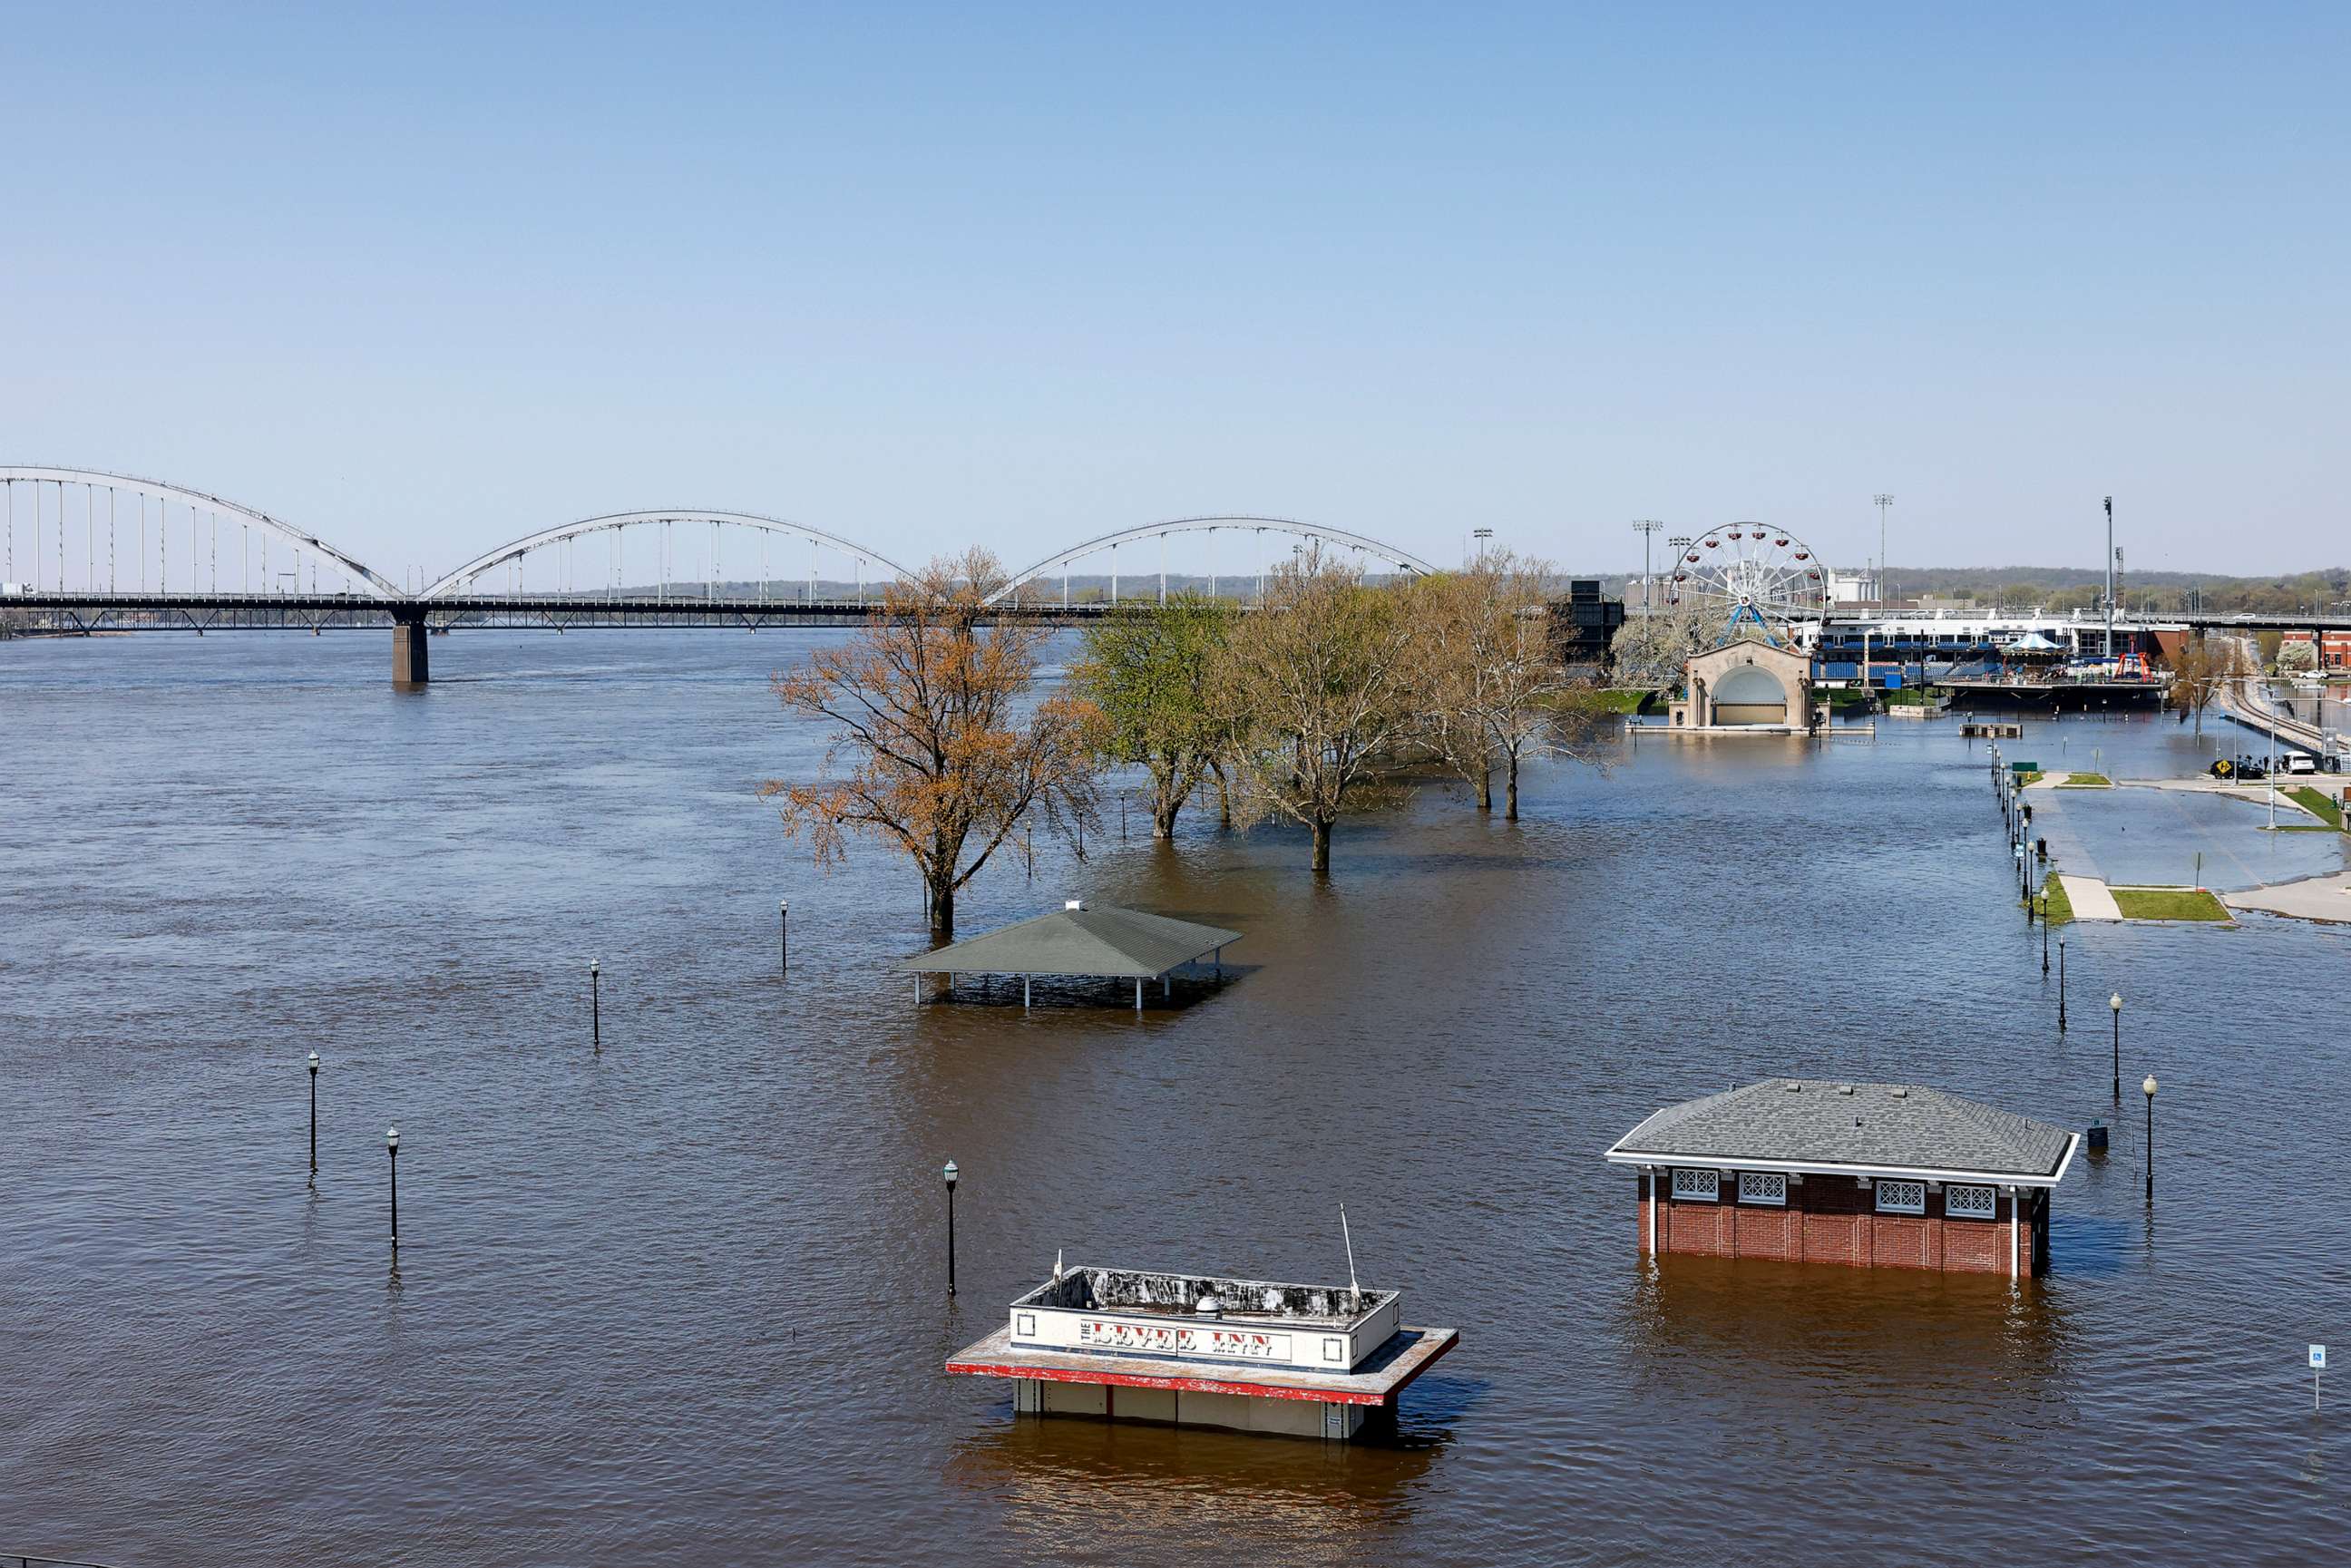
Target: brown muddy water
x,y
683,1302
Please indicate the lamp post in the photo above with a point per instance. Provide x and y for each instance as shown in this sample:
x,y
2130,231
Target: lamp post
x,y
314,1114
2148,1089
783,936
2115,1003
950,1174
595,1006
2044,928
2061,986
391,1146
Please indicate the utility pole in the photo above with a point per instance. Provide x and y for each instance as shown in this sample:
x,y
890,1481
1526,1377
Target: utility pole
x,y
2110,579
1646,528
1881,502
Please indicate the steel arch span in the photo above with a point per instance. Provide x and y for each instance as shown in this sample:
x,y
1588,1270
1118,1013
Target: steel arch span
x,y
160,491
614,522
1328,535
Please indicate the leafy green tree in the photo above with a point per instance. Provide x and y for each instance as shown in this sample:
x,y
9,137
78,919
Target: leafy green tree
x,y
1147,671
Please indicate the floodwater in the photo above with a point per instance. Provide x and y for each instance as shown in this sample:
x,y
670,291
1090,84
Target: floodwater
x,y
683,1303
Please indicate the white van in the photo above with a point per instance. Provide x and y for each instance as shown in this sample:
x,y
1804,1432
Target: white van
x,y
2297,762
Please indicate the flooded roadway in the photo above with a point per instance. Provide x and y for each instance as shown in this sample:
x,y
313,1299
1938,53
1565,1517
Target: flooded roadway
x,y
683,1302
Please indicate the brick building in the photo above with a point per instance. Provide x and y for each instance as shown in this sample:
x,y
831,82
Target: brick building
x,y
1883,1174
2333,647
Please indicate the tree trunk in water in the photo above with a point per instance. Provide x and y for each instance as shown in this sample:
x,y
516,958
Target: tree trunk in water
x,y
943,910
1162,818
1485,787
1322,848
1511,815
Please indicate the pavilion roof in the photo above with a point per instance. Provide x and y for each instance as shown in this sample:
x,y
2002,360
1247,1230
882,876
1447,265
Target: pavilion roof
x,y
1807,1124
1087,939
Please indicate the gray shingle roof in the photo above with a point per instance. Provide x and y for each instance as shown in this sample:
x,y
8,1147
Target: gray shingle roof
x,y
1809,1121
1127,943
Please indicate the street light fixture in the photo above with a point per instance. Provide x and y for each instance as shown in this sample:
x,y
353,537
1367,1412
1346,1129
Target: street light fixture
x,y
314,1114
391,1147
2148,1089
950,1172
595,1006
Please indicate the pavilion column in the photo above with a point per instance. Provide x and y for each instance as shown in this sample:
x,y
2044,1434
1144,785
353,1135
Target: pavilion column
x,y
1024,993
1138,999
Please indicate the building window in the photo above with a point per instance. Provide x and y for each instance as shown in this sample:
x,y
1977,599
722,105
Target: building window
x,y
1763,1186
1901,1196
1971,1203
1697,1185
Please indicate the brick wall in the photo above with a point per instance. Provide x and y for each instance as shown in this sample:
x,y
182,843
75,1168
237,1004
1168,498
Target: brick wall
x,y
1829,1219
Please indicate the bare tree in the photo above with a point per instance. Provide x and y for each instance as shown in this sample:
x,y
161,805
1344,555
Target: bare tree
x,y
945,753
2204,665
1492,691
1650,650
1317,695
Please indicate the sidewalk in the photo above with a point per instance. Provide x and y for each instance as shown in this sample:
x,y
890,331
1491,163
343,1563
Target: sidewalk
x,y
2313,898
2091,898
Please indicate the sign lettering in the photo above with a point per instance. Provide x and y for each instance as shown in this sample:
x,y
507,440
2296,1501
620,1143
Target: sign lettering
x,y
1169,1339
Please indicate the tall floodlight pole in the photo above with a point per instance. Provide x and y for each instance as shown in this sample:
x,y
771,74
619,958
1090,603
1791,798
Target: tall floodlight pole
x,y
1881,502
1482,536
2110,579
1646,528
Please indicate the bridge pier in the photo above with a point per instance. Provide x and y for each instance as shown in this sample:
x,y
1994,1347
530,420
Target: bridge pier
x,y
411,661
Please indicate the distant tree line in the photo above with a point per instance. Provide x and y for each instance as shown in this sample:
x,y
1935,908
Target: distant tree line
x,y
1335,693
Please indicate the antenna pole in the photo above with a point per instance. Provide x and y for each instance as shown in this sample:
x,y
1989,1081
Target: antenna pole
x,y
1347,1236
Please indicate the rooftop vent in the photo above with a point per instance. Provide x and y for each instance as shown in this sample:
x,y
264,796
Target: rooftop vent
x,y
1901,1094
1844,1088
1794,1087
1073,903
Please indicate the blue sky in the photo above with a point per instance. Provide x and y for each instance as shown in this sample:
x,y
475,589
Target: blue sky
x,y
422,279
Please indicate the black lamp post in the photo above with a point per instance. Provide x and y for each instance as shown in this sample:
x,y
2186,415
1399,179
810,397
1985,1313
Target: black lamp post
x,y
2045,929
950,1174
314,1112
2115,1003
391,1146
2061,984
595,1008
2148,1089
783,934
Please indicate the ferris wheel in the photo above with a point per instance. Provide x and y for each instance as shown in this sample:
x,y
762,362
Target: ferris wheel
x,y
1749,576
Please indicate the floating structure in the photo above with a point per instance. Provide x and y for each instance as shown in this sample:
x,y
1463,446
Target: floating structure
x,y
1883,1174
1082,941
1194,1350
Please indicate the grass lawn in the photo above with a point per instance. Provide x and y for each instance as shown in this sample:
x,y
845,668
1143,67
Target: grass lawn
x,y
2030,776
1618,699
2088,782
2061,908
2318,803
2169,904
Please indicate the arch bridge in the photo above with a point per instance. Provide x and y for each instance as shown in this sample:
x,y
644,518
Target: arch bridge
x,y
150,557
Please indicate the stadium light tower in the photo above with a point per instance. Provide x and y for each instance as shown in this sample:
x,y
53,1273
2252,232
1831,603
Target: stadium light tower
x,y
1646,528
1881,501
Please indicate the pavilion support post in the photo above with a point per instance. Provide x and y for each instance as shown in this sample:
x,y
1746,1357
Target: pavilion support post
x,y
1024,993
1138,999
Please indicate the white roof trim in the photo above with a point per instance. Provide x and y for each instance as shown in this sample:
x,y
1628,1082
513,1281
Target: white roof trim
x,y
1617,1154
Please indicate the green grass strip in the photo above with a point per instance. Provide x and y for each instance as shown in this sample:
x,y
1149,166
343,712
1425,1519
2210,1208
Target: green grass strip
x,y
2168,904
2060,907
2318,803
2088,782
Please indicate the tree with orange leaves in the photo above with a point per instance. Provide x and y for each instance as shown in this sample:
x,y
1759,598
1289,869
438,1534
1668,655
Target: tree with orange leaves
x,y
945,754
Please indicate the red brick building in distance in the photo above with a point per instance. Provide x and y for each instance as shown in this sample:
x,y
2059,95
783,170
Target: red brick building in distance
x,y
1879,1175
2333,647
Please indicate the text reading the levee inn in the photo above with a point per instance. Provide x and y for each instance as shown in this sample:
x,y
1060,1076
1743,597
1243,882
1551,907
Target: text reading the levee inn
x,y
1166,1339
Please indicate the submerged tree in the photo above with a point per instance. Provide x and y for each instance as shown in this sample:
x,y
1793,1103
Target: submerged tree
x,y
1316,693
2201,668
1493,691
1147,675
945,752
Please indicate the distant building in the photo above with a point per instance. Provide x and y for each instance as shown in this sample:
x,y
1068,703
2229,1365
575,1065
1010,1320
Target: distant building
x,y
1584,626
1853,587
1881,1175
2333,647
